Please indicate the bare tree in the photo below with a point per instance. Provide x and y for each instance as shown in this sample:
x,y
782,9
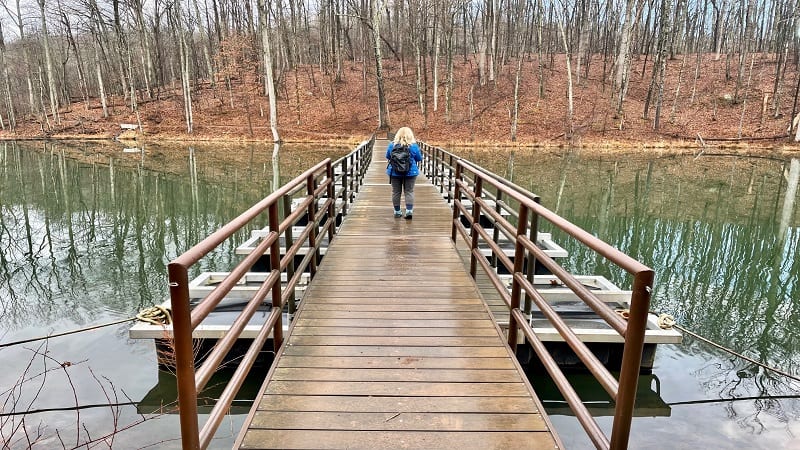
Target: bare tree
x,y
269,82
184,59
17,17
9,101
622,63
376,8
51,77
562,26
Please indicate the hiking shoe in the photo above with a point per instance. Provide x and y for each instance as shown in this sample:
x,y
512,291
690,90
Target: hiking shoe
x,y
397,214
409,214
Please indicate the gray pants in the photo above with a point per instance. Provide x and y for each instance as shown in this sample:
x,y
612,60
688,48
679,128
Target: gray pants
x,y
405,185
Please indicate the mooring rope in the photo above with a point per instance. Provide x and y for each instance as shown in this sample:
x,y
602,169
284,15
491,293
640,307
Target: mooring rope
x,y
667,321
156,315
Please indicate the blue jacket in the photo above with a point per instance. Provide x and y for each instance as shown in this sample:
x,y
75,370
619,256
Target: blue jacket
x,y
416,156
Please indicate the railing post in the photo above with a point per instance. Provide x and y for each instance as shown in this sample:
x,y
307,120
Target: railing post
x,y
631,359
450,180
345,188
332,213
184,355
476,218
519,259
531,258
437,169
288,242
311,185
456,212
357,169
496,229
442,170
275,264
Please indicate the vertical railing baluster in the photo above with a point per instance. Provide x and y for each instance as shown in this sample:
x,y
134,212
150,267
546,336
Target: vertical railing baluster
x,y
275,264
631,358
450,180
496,228
530,258
440,174
288,242
332,207
311,185
345,190
519,259
456,204
476,217
184,354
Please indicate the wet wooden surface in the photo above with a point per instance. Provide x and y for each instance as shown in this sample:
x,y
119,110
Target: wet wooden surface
x,y
393,346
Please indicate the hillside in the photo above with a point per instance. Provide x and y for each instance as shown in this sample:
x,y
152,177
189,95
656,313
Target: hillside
x,y
693,114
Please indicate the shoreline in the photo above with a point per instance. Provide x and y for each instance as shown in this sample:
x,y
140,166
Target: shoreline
x,y
743,147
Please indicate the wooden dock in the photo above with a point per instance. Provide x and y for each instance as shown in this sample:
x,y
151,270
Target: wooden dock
x,y
393,346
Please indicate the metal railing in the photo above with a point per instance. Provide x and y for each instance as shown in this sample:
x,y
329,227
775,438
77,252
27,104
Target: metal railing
x,y
476,192
319,187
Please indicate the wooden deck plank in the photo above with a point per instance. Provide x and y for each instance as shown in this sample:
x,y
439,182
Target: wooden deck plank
x,y
439,389
361,306
404,352
474,422
401,341
338,299
393,345
462,375
397,315
391,322
381,331
369,440
395,404
386,362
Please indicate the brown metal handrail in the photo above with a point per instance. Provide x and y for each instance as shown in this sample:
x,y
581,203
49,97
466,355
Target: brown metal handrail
x,y
466,181
320,185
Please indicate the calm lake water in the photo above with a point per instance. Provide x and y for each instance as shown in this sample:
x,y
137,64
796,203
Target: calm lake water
x,y
86,232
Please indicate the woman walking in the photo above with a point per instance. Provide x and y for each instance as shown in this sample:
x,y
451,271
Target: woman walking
x,y
403,155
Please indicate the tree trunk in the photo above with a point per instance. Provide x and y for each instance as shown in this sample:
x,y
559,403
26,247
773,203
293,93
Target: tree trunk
x,y
205,42
146,48
623,60
745,38
493,25
51,77
661,66
184,56
719,20
437,43
383,110
12,119
449,57
82,84
569,121
540,47
26,59
515,116
266,49
100,82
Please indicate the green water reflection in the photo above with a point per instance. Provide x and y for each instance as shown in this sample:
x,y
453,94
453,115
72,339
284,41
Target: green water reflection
x,y
87,229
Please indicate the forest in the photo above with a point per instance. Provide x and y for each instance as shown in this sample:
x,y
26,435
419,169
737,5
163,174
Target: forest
x,y
503,71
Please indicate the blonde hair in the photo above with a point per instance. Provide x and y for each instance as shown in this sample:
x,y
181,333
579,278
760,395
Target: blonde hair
x,y
404,136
